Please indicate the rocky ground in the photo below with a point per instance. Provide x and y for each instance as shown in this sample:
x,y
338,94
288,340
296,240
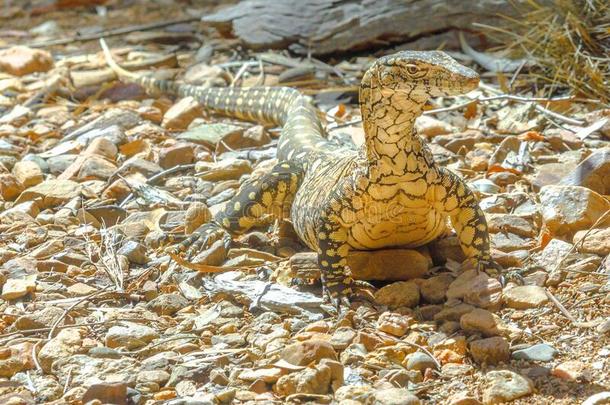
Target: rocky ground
x,y
94,173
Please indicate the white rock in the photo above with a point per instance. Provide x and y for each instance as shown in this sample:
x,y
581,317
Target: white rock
x,y
504,386
568,209
525,296
598,399
130,335
85,371
66,343
18,287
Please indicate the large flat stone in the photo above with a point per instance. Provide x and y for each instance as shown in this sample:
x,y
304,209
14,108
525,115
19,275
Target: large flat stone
x,y
568,209
387,264
593,173
51,192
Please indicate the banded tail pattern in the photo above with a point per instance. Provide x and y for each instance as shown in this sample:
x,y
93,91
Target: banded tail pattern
x,y
281,106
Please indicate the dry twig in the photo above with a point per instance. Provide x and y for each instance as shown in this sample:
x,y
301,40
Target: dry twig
x,y
111,33
561,308
70,308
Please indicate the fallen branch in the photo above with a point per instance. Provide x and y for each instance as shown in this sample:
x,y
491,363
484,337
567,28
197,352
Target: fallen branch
x,y
60,327
109,33
158,176
561,308
71,307
538,107
567,313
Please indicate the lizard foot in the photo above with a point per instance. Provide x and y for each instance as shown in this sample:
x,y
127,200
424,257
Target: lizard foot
x,y
200,240
488,266
341,292
515,274
169,239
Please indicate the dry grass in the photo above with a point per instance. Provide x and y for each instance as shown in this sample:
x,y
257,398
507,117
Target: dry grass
x,y
567,42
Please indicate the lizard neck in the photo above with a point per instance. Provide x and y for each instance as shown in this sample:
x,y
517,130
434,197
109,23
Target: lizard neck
x,y
388,117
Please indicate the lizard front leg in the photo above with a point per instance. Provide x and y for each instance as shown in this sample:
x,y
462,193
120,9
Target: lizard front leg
x,y
467,218
333,247
256,200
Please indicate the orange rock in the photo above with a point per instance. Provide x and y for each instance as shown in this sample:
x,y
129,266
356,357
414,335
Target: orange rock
x,y
21,60
103,147
456,344
10,187
572,370
181,114
151,113
164,395
175,155
28,173
394,324
490,351
319,326
448,356
118,190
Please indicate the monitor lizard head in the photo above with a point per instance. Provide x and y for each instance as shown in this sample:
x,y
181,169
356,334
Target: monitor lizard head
x,y
429,73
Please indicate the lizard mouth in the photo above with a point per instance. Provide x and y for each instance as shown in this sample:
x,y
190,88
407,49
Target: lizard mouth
x,y
471,84
459,85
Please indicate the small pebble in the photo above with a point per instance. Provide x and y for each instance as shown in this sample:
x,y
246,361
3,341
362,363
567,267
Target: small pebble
x,y
539,352
572,370
420,361
598,399
504,386
104,352
463,398
492,350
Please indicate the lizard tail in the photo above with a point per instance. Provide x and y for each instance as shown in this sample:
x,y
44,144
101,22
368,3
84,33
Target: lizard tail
x,y
281,106
119,71
147,82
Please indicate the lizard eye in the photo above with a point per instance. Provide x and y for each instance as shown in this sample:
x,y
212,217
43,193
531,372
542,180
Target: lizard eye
x,y
415,72
411,69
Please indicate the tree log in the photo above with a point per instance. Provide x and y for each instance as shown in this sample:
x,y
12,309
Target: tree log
x,y
328,26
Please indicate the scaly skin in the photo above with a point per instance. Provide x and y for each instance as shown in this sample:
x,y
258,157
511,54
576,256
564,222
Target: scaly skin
x,y
388,193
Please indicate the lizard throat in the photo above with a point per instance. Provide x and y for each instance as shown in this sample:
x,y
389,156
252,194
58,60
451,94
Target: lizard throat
x,y
391,143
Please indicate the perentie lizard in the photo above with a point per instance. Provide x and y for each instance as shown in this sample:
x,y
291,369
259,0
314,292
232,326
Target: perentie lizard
x,y
388,193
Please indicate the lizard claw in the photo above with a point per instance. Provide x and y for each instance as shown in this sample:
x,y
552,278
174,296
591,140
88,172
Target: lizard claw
x,y
200,240
365,291
488,266
341,292
169,238
515,275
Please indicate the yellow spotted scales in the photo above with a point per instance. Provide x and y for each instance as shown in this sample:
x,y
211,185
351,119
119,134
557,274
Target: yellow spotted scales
x,y
388,193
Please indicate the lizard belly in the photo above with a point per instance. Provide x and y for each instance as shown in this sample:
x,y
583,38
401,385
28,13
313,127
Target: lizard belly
x,y
382,217
395,215
406,227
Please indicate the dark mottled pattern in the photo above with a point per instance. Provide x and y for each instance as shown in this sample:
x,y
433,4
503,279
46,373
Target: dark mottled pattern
x,y
388,193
